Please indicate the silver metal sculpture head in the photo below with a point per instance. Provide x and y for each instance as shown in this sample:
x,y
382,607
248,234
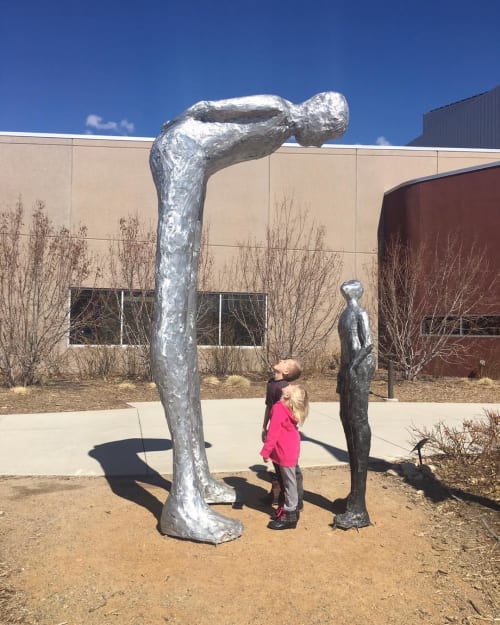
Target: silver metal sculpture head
x,y
323,117
352,289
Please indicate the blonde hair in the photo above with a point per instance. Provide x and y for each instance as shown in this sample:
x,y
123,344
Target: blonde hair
x,y
296,398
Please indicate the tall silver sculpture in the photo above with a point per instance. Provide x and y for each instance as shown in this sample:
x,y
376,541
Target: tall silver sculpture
x,y
204,139
357,366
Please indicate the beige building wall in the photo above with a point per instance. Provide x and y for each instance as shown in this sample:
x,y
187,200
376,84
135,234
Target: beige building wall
x,y
96,181
37,168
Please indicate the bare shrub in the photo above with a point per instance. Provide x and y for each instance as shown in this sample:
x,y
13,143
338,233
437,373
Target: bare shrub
x,y
131,267
424,292
221,360
132,272
300,278
471,450
96,361
37,268
320,361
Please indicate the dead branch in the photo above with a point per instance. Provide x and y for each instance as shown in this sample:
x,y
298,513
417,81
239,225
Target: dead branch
x,y
489,530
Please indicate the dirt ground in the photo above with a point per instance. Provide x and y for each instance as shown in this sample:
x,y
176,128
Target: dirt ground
x,y
64,395
88,551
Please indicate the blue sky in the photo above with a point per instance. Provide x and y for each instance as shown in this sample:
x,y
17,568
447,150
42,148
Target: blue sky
x,y
112,67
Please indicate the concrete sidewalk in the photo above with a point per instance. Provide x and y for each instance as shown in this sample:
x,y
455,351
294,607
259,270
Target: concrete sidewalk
x,y
136,440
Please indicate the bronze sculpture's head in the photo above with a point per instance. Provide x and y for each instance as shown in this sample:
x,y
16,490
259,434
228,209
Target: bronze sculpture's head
x,y
352,289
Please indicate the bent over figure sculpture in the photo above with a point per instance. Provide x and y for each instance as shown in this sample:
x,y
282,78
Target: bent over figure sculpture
x,y
204,139
357,366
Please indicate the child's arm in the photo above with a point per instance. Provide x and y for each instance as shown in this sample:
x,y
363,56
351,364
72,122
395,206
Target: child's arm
x,y
265,424
278,411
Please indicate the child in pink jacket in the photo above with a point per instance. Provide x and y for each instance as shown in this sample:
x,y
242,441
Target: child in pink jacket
x,y
282,446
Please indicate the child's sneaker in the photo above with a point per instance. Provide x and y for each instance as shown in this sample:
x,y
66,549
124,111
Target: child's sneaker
x,y
278,513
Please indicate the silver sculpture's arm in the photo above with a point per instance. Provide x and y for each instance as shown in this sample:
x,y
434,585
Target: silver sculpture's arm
x,y
239,109
201,141
251,108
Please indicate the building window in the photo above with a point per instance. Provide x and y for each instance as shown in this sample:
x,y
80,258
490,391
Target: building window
x,y
110,317
231,319
470,325
120,317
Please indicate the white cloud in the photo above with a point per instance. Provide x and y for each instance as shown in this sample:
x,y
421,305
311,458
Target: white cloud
x,y
382,141
95,122
126,125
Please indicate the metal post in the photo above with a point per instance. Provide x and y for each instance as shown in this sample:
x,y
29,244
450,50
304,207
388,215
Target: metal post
x,y
390,380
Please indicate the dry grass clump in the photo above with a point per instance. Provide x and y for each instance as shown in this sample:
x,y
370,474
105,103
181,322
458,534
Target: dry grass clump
x,y
126,386
152,385
211,380
237,381
485,382
20,390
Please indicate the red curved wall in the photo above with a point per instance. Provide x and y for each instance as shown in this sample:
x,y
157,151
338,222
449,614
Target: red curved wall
x,y
466,203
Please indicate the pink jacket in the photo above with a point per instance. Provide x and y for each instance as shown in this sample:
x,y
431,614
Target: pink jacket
x,y
283,439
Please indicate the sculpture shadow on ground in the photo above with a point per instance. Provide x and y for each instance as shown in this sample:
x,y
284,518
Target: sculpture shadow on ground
x,y
374,464
423,479
431,486
339,505
125,470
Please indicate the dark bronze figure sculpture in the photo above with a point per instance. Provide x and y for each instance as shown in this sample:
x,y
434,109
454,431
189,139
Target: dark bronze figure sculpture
x,y
357,366
204,139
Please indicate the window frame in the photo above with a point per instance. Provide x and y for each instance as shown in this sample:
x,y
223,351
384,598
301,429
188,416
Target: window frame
x,y
123,294
465,327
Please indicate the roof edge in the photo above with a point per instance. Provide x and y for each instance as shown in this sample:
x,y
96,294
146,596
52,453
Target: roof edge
x,y
357,146
446,174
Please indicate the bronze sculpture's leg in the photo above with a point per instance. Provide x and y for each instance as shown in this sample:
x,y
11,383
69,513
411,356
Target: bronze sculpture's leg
x,y
349,436
358,435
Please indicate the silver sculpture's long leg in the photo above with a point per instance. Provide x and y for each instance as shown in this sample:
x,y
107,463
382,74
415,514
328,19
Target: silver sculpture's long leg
x,y
212,490
185,514
206,138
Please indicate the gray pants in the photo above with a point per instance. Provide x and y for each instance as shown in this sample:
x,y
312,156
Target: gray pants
x,y
290,483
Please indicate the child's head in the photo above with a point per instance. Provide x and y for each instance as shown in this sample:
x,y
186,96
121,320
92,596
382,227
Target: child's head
x,y
295,397
287,369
